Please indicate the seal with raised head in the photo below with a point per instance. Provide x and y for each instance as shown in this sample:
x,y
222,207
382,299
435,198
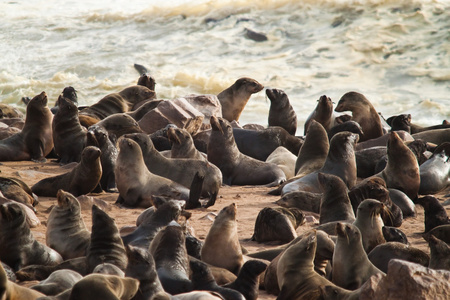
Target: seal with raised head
x,y
183,145
435,172
435,213
35,141
234,98
19,247
238,168
351,266
439,253
66,231
12,291
70,94
247,281
81,180
363,112
322,114
369,222
281,112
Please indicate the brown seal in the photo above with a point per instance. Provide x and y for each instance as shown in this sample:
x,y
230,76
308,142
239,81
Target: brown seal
x,y
435,136
69,136
12,291
435,172
183,145
66,231
100,286
402,169
118,125
435,213
17,190
442,232
439,254
234,98
302,200
363,112
8,112
369,222
238,168
322,114
57,282
81,180
19,247
35,140
222,247
247,282
281,112
284,159
351,266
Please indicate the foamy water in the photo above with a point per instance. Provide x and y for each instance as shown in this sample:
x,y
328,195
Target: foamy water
x,y
397,53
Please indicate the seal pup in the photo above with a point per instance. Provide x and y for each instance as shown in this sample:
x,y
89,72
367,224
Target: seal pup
x,y
238,168
106,244
322,114
439,253
19,247
136,184
435,213
284,159
402,169
35,141
351,266
12,291
247,281
382,254
66,231
81,180
221,247
69,137
435,172
234,98
340,162
57,282
392,234
363,112
101,286
335,204
281,112
171,260
183,144
369,222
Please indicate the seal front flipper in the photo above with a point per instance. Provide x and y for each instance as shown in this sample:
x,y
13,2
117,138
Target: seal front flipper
x,y
141,69
195,191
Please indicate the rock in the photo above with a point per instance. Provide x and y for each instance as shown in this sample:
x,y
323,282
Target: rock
x,y
177,111
208,105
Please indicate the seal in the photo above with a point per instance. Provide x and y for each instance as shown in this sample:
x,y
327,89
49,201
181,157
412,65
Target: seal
x,y
68,93
146,106
101,286
19,247
363,112
57,282
13,291
234,98
180,170
435,213
351,126
69,137
435,172
171,260
120,102
8,112
367,160
335,204
247,282
402,169
221,247
7,131
441,232
17,190
108,268
117,125
340,162
260,144
404,202
284,159
183,145
314,151
322,114
302,200
66,231
281,112
370,224
238,168
277,224
106,244
392,234
147,80
351,266
35,140
382,254
401,122
81,180
435,136
439,254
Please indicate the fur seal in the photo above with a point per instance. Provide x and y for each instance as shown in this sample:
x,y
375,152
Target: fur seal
x,y
81,180
367,160
435,136
238,168
382,254
435,172
7,131
401,122
340,162
404,202
322,114
247,282
69,137
101,286
118,125
19,247
314,151
66,231
108,268
281,112
392,234
441,232
370,224
68,93
363,112
12,291
8,112
302,200
284,159
351,266
435,213
57,282
351,126
234,98
17,190
106,244
260,144
35,140
439,254
183,144
221,247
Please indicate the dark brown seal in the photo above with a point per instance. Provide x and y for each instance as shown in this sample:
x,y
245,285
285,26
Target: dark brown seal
x,y
281,112
439,253
435,172
17,190
322,114
118,125
237,168
442,232
234,98
363,112
81,180
302,200
247,282
35,140
183,145
435,213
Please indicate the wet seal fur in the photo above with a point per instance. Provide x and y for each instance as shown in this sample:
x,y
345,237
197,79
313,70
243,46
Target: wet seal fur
x,y
435,172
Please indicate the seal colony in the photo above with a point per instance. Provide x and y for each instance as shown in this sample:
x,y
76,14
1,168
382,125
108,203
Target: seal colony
x,y
222,244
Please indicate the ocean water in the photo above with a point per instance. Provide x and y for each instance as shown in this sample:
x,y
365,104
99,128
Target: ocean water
x,y
397,53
